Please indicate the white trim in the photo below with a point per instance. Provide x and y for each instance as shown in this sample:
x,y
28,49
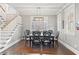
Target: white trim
x,y
9,46
69,47
64,7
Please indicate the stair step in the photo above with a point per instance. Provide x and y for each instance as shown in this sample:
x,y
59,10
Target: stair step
x,y
3,43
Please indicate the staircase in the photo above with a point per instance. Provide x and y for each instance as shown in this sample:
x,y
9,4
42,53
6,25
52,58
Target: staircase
x,y
9,37
10,27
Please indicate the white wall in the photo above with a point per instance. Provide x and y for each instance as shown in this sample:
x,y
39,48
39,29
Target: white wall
x,y
52,22
77,31
69,34
26,22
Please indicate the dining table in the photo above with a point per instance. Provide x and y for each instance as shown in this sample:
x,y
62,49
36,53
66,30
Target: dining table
x,y
41,38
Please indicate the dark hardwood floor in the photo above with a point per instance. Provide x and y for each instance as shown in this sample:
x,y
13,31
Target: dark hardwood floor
x,y
21,49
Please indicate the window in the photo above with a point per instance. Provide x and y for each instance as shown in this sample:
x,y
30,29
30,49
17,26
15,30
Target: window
x,y
39,24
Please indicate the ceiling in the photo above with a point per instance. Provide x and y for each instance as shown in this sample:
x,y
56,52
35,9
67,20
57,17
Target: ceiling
x,y
37,8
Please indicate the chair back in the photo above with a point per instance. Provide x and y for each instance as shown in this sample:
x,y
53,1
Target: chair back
x,y
57,34
46,33
50,31
36,33
27,32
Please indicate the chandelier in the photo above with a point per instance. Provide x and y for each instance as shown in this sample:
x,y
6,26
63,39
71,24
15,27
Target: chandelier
x,y
38,11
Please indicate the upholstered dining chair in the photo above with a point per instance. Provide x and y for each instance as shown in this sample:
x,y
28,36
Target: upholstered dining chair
x,y
56,38
46,41
27,38
36,42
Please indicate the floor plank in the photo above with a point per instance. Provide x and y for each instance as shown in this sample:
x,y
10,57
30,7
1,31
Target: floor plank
x,y
21,49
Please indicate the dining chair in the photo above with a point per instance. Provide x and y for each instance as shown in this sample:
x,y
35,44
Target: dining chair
x,y
46,41
27,37
36,42
56,38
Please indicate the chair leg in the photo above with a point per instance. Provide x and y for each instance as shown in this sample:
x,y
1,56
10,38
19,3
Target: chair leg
x,y
52,44
28,43
25,42
56,43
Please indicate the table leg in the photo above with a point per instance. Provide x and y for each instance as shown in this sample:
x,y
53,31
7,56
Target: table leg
x,y
41,48
53,42
31,43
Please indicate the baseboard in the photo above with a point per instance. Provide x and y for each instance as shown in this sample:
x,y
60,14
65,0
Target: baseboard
x,y
9,46
69,47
